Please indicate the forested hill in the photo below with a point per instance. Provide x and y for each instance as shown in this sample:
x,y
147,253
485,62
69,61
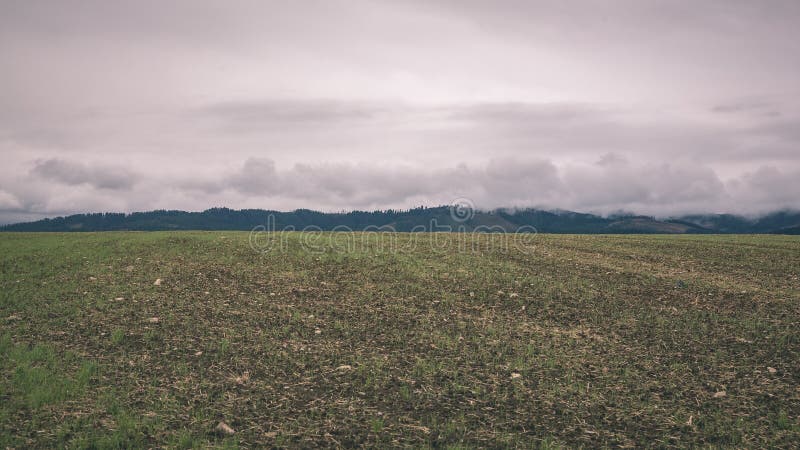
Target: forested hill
x,y
418,219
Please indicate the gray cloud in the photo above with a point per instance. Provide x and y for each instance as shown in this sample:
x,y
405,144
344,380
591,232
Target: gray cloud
x,y
660,189
354,130
287,111
652,188
8,201
73,173
760,107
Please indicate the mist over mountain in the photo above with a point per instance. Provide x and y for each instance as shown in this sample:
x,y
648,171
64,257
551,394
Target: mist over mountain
x,y
433,219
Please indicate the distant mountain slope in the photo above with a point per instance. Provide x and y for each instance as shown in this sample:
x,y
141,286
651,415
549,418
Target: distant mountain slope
x,y
788,230
418,219
778,222
648,225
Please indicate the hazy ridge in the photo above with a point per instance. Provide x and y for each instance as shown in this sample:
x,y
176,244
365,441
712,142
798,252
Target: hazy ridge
x,y
418,219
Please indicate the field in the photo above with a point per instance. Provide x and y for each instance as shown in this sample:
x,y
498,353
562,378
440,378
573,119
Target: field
x,y
116,340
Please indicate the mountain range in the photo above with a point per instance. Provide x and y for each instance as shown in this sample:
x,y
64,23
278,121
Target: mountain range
x,y
440,218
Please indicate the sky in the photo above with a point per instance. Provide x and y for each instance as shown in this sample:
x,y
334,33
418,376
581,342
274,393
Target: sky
x,y
648,106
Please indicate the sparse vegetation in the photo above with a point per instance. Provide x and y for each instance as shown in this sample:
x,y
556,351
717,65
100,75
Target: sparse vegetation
x,y
593,341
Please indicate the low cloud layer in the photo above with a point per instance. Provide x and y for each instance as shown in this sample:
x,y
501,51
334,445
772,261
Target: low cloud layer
x,y
611,184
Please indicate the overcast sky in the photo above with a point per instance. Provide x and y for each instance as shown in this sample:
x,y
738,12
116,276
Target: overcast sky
x,y
657,107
